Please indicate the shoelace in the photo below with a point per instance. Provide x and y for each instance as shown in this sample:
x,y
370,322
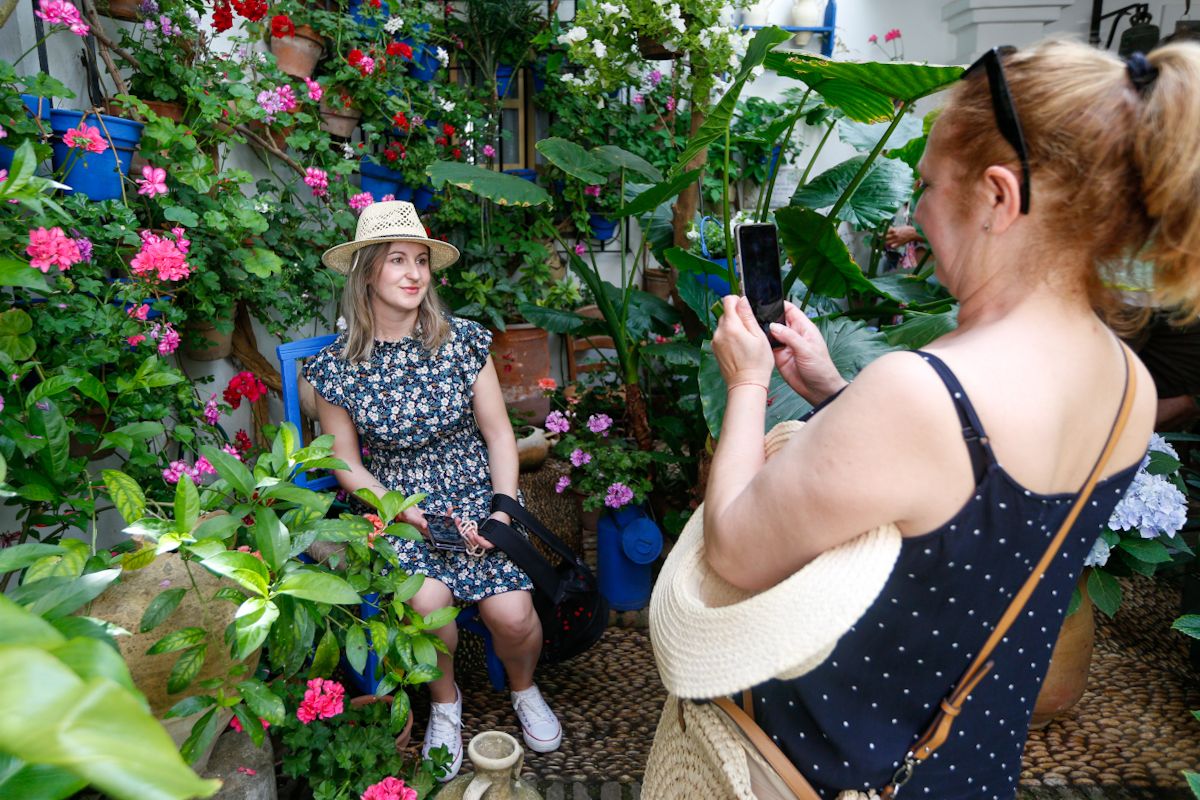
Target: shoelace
x,y
443,727
536,708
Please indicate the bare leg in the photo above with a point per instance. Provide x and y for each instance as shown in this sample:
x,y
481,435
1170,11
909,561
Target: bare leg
x,y
516,634
430,597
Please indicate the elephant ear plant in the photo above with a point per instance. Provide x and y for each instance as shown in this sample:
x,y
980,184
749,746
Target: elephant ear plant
x,y
253,525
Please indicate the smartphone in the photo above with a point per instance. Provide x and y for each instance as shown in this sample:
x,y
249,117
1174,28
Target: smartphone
x,y
759,269
444,534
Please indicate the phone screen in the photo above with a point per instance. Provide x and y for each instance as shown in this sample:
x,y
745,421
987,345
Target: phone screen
x,y
762,282
443,532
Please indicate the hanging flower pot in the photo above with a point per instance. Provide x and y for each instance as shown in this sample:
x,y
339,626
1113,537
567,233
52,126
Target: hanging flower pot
x,y
654,50
95,174
209,339
298,54
339,121
423,197
119,9
424,65
36,107
602,227
380,181
504,74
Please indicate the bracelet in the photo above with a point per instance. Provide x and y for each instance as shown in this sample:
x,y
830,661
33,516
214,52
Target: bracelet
x,y
733,386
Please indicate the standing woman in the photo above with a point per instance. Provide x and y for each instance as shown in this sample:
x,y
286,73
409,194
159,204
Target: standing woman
x,y
417,387
1049,170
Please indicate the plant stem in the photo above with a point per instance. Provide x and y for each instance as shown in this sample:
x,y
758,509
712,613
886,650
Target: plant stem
x,y
765,200
817,152
866,165
729,255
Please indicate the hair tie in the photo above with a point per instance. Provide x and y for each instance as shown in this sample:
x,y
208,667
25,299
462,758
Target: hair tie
x,y
1141,72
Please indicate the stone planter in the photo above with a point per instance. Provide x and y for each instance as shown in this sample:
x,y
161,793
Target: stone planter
x,y
533,449
522,357
497,759
1066,677
298,55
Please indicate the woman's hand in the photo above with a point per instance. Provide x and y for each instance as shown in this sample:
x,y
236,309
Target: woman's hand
x,y
804,360
900,235
416,517
741,348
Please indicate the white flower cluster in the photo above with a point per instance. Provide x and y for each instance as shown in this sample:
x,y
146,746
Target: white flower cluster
x,y
576,34
443,57
393,25
445,105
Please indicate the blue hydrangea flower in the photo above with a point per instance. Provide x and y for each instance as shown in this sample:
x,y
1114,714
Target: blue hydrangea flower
x,y
1153,506
1098,557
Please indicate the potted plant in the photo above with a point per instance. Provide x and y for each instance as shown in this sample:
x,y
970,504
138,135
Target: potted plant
x,y
294,35
1138,540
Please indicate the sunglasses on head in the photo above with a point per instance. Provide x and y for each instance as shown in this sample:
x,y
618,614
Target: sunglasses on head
x,y
1006,113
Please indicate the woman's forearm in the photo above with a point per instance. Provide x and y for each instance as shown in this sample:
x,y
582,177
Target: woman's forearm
x,y
358,477
504,465
738,458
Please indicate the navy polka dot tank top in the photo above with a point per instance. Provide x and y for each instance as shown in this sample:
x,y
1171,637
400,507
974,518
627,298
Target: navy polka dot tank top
x,y
849,723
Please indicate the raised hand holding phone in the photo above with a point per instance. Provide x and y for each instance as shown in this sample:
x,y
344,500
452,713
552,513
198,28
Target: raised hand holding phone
x,y
804,361
761,276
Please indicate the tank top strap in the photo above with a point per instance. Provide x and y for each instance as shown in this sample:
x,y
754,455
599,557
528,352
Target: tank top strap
x,y
972,429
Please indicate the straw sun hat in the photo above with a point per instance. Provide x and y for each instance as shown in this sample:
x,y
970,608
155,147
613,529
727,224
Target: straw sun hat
x,y
712,639
392,221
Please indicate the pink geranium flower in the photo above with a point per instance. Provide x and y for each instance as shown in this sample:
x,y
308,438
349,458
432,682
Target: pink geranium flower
x,y
167,337
85,137
135,340
892,35
580,248
489,151
322,700
162,256
557,422
562,484
873,39
599,423
140,312
212,414
592,191
361,200
60,12
390,789
52,248
618,495
318,179
315,92
153,181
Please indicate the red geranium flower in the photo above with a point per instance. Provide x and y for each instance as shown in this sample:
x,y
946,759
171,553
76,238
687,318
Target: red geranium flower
x,y
244,384
253,10
242,440
282,25
456,152
448,129
390,154
354,57
400,121
400,49
440,140
222,16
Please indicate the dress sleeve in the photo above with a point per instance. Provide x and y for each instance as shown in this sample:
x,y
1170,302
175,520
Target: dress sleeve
x,y
324,372
473,344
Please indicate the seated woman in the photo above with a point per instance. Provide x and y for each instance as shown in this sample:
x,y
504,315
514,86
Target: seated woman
x,y
418,388
976,446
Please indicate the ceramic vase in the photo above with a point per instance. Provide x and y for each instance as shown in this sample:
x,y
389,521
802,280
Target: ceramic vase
x,y
805,14
497,759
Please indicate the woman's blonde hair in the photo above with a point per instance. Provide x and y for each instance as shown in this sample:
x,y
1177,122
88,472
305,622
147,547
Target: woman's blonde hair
x,y
1115,170
432,326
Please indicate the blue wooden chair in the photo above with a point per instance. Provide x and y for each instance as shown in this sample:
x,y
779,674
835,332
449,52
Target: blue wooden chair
x,y
290,354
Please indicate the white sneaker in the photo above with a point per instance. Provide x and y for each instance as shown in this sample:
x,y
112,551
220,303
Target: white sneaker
x,y
445,728
539,726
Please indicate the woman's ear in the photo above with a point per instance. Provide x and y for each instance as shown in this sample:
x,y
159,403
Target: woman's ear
x,y
1003,189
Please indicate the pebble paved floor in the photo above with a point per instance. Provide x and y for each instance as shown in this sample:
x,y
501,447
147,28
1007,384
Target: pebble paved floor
x,y
1127,739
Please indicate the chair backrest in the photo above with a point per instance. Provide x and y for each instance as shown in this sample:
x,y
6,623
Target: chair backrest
x,y
579,345
289,354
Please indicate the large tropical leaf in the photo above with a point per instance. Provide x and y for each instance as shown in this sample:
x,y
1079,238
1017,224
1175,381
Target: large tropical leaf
x,y
886,187
916,332
558,321
657,229
819,256
852,345
574,160
863,136
864,90
717,122
501,189
618,158
657,194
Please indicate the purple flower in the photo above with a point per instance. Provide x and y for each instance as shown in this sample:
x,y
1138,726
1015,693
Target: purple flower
x,y
85,247
599,423
618,495
211,413
655,78
556,422
579,458
562,484
592,191
148,7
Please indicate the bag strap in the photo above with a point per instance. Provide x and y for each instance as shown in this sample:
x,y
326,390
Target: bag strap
x,y
525,556
785,769
518,512
939,730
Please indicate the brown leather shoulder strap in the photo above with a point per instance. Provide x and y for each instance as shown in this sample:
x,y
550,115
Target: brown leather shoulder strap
x,y
786,770
951,706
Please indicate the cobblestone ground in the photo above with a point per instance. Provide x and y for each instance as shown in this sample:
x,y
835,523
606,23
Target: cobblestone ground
x,y
1128,739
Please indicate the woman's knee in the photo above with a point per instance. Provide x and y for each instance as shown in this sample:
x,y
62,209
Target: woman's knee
x,y
511,621
430,597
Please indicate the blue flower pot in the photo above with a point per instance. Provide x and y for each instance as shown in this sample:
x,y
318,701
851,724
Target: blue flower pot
x,y
528,174
627,544
602,227
423,197
504,74
38,107
97,175
424,66
716,281
379,180
368,17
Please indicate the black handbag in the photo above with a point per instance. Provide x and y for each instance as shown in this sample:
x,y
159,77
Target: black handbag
x,y
566,597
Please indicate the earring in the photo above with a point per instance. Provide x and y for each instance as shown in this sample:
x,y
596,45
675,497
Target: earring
x,y
987,226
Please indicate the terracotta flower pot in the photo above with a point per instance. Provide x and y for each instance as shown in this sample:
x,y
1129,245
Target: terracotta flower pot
x,y
405,735
120,9
522,357
205,341
657,282
170,110
1066,677
298,55
654,50
338,120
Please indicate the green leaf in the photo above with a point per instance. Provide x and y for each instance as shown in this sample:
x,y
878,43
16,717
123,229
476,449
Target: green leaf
x,y
864,91
178,640
262,701
1193,782
14,272
657,194
262,263
320,587
1188,624
439,618
51,387
820,259
271,538
49,424
187,504
15,322
356,648
501,189
68,564
244,568
249,723
863,137
160,608
19,556
1076,601
36,781
220,526
186,668
886,187
190,705
575,160
618,158
234,472
679,354
325,659
252,623
559,321
1162,463
918,331
58,597
203,732
1151,551
1104,591
184,216
424,650
126,494
401,708
409,587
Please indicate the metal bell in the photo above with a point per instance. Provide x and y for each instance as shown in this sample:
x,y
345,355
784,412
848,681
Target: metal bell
x,y
1141,36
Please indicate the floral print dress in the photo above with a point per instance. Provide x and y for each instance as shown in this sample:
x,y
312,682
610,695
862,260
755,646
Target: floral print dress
x,y
412,410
